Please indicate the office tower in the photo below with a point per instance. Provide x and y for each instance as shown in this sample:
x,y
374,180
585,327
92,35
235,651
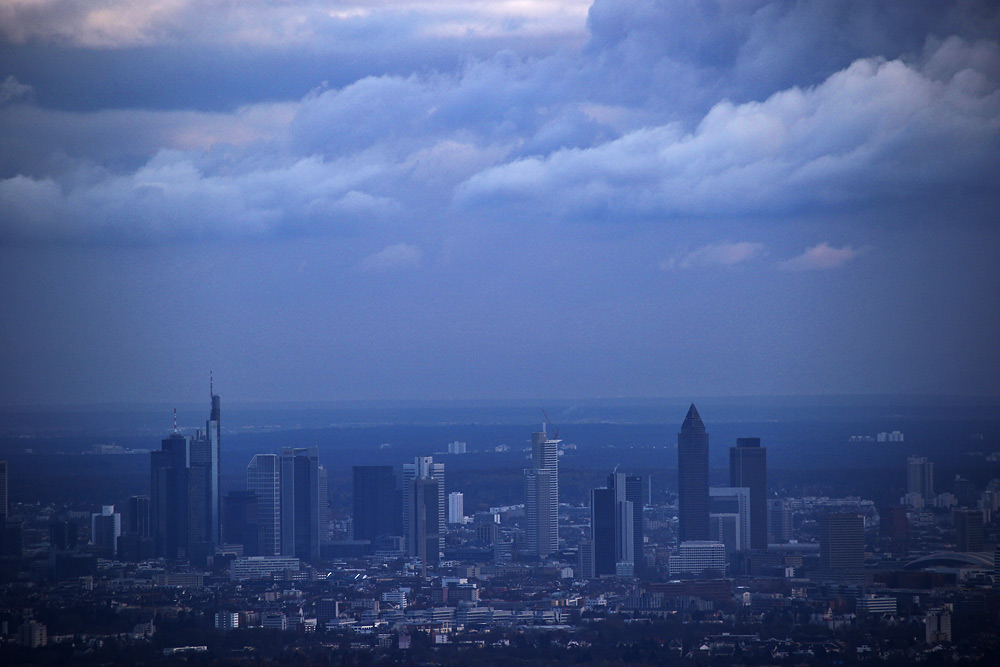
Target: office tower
x,y
729,517
264,481
3,491
63,535
137,518
937,625
374,502
692,478
184,498
240,521
969,530
324,506
300,502
920,478
105,528
168,501
748,469
602,531
456,507
697,556
894,529
423,467
487,525
541,496
841,541
425,521
634,494
612,522
779,521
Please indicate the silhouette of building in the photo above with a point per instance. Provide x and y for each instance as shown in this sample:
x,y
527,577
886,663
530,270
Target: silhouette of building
x,y
894,528
841,541
240,521
425,521
264,481
969,530
779,521
920,479
374,502
415,522
541,496
729,517
137,516
300,502
748,468
105,528
692,478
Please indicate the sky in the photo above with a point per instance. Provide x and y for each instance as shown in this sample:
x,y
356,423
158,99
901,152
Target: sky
x,y
497,199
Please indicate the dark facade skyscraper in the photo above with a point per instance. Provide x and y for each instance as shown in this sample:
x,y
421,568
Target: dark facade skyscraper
x,y
633,494
423,468
969,530
602,527
184,500
841,541
541,496
300,502
692,478
748,468
374,502
894,528
426,525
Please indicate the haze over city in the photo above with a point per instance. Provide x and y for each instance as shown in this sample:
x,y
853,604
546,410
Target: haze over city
x,y
353,200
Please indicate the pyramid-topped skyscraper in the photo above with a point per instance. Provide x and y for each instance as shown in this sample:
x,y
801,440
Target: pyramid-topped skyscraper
x,y
692,478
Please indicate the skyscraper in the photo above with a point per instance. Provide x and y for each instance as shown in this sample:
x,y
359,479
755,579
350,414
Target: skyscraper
x,y
300,502
729,516
633,493
105,528
692,478
541,495
779,521
895,530
264,480
841,541
748,468
415,522
456,507
169,495
969,530
184,500
920,478
374,491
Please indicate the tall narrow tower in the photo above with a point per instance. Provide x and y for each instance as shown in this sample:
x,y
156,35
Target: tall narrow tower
x,y
692,478
748,468
541,495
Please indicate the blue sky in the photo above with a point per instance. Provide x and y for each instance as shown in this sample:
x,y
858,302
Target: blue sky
x,y
497,199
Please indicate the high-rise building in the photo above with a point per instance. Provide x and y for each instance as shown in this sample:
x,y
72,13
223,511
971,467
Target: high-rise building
x,y
692,478
264,481
633,493
456,507
300,502
324,506
613,544
426,527
374,506
729,517
423,467
697,556
240,517
541,496
920,478
105,528
894,528
168,499
748,469
779,521
841,541
969,530
185,505
137,517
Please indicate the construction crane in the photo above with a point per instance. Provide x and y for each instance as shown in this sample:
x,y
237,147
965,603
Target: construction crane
x,y
555,431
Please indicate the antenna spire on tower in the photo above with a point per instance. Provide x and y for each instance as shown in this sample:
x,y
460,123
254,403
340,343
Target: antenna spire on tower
x,y
175,420
211,386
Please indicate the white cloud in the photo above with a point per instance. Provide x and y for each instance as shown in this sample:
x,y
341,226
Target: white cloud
x,y
11,89
820,257
393,258
715,254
